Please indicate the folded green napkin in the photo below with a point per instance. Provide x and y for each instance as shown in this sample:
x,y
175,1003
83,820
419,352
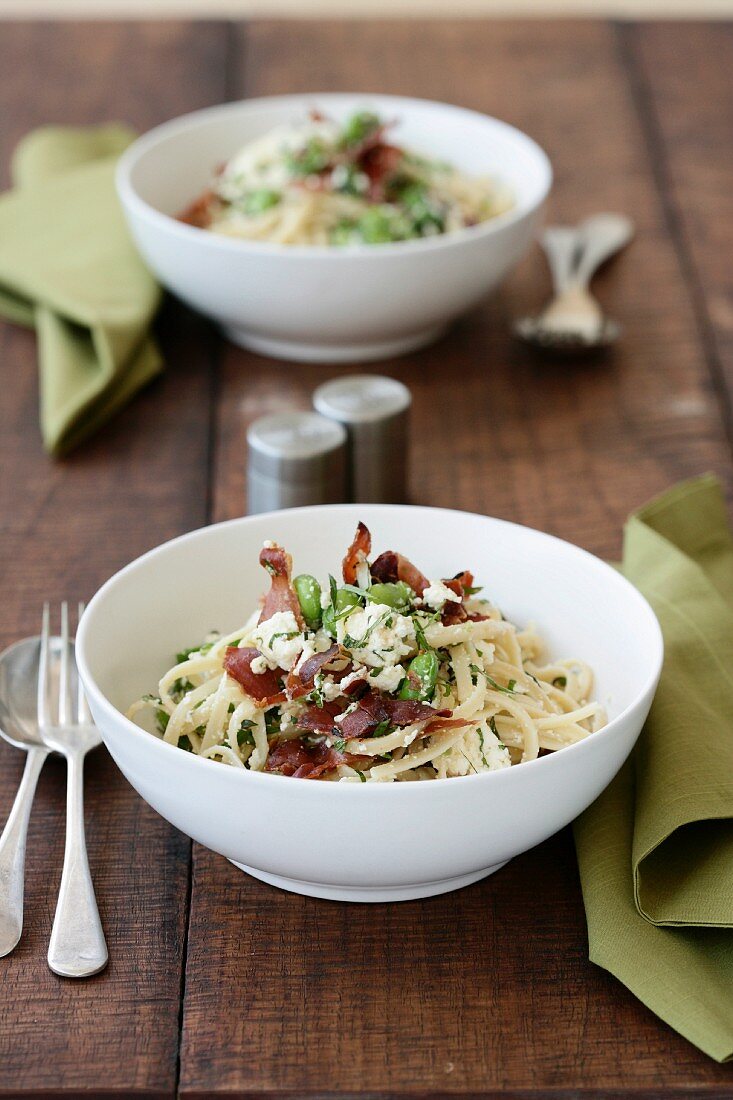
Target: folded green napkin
x,y
69,268
656,849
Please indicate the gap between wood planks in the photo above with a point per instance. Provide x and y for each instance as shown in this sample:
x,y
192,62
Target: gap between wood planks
x,y
627,37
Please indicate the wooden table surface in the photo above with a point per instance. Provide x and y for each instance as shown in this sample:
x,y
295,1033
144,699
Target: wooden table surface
x,y
216,982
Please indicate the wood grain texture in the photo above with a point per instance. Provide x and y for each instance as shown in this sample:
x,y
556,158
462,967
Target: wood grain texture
x,y
487,991
66,527
693,142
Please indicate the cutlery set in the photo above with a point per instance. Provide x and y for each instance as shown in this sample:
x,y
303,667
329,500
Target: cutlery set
x,y
43,709
573,321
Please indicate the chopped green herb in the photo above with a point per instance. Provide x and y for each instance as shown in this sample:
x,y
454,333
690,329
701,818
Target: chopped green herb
x,y
313,158
560,682
283,634
356,128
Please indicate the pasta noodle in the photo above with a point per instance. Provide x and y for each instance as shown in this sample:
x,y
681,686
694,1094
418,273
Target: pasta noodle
x,y
388,678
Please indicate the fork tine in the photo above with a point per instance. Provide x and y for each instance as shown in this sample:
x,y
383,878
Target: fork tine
x,y
44,711
84,714
65,715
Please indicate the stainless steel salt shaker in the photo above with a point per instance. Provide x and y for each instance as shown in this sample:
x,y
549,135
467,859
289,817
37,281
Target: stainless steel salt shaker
x,y
295,458
374,410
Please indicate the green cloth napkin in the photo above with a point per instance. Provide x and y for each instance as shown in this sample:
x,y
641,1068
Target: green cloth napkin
x,y
656,849
68,267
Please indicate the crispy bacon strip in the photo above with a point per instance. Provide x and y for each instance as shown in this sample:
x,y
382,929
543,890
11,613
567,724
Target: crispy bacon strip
x,y
301,682
198,213
374,708
319,719
452,612
379,163
264,687
390,567
440,724
281,596
303,761
357,553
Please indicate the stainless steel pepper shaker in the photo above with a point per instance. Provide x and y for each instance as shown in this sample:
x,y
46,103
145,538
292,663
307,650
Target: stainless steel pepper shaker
x,y
295,458
374,410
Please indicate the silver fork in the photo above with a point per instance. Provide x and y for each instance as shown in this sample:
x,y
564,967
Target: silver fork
x,y
77,948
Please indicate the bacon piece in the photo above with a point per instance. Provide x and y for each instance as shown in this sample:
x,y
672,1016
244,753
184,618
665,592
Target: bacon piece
x,y
390,567
357,553
379,162
263,687
440,724
198,213
474,617
303,761
282,596
453,612
319,719
301,682
374,708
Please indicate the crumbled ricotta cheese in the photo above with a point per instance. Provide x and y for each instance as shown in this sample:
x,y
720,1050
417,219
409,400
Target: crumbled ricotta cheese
x,y
279,640
388,678
312,644
437,593
479,750
268,544
377,635
259,665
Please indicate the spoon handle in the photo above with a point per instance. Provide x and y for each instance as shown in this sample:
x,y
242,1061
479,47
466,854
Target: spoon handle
x,y
561,245
601,236
77,948
12,853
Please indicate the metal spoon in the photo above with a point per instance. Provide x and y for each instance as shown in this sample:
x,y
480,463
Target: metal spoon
x,y
573,320
19,726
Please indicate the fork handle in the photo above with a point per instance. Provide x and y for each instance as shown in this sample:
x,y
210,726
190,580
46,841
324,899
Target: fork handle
x,y
560,243
12,853
77,948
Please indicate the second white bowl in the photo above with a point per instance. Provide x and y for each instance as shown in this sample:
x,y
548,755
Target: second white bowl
x,y
329,304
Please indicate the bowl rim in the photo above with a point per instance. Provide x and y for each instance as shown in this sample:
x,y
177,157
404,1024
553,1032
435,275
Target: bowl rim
x,y
604,568
135,152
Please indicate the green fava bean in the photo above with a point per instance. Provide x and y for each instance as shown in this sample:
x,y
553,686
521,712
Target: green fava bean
x,y
422,676
344,600
398,595
308,591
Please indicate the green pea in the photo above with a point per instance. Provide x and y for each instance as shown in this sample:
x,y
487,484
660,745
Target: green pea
x,y
344,601
308,591
422,676
257,202
398,595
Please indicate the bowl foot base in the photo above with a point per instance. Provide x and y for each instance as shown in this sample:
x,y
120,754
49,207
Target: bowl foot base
x,y
369,893
331,353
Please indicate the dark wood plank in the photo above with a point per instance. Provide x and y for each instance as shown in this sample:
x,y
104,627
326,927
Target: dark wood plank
x,y
687,81
487,991
66,527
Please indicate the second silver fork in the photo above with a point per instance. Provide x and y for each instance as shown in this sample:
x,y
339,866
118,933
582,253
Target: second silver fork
x,y
77,948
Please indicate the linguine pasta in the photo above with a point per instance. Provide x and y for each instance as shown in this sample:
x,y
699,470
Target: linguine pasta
x,y
388,677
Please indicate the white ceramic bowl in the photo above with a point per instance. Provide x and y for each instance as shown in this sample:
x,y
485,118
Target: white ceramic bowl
x,y
326,304
367,842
